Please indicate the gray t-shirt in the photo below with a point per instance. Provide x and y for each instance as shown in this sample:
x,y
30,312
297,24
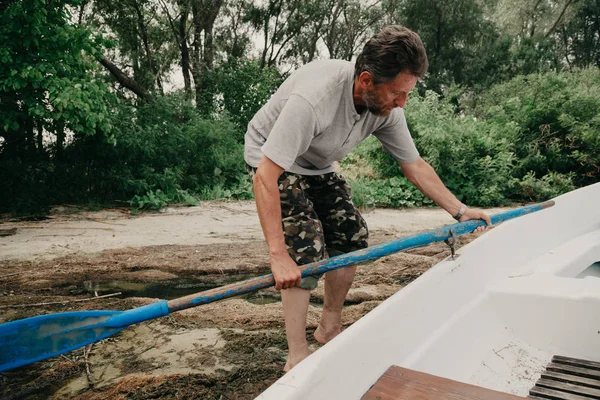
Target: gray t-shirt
x,y
311,122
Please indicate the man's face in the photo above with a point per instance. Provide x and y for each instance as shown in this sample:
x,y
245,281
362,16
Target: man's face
x,y
382,98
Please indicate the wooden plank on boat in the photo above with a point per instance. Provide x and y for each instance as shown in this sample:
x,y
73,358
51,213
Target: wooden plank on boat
x,y
574,379
568,388
555,394
568,378
568,369
399,383
576,362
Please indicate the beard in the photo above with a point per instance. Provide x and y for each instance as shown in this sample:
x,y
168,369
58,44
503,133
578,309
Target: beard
x,y
374,103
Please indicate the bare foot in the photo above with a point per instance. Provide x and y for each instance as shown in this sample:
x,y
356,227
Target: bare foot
x,y
293,361
323,336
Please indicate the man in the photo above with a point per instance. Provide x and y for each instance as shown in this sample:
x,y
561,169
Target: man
x,y
315,118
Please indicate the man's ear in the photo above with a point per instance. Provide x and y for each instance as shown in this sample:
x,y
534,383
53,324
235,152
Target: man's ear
x,y
365,79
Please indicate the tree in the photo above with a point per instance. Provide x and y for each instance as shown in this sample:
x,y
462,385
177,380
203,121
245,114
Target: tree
x,y
204,14
232,35
532,18
180,28
47,82
454,32
349,26
279,22
580,36
143,39
48,88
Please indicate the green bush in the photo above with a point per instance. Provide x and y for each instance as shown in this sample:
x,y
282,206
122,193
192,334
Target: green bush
x,y
395,192
49,91
474,158
157,199
158,153
530,139
238,89
168,146
556,120
550,185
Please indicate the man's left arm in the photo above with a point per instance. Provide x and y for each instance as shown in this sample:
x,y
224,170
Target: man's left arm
x,y
424,177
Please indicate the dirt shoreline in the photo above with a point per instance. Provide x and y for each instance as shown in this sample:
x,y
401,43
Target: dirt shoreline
x,y
233,349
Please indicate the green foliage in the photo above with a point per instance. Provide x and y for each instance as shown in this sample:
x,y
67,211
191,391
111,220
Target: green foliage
x,y
453,32
473,157
157,199
239,88
48,93
580,35
394,192
45,64
530,139
550,185
167,145
158,153
242,190
65,137
556,121
376,180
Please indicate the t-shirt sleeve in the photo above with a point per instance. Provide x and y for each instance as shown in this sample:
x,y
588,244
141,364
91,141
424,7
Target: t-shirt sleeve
x,y
396,140
292,133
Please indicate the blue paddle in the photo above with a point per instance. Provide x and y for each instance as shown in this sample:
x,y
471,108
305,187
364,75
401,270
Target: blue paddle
x,y
33,339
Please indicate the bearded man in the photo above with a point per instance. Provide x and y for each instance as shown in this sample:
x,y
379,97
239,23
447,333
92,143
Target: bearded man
x,y
316,117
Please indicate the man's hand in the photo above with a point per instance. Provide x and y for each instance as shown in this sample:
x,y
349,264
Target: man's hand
x,y
422,175
285,272
476,214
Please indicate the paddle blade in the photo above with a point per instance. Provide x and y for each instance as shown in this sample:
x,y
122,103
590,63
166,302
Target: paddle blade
x,y
34,339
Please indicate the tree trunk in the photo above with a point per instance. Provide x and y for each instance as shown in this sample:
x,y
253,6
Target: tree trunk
x,y
185,52
60,140
126,81
204,14
30,136
144,35
438,33
208,45
82,12
534,18
562,13
196,51
315,38
40,139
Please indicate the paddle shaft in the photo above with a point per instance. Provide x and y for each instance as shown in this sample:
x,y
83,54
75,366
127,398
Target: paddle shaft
x,y
345,260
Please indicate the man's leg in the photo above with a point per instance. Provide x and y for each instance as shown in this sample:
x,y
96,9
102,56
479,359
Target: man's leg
x,y
345,231
295,309
337,284
303,234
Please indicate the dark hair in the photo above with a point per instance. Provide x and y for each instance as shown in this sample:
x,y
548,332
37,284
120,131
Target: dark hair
x,y
393,50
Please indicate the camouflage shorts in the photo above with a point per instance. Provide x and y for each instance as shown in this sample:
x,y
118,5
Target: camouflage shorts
x,y
319,218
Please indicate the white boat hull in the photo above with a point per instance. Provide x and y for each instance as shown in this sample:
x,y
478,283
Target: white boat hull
x,y
493,317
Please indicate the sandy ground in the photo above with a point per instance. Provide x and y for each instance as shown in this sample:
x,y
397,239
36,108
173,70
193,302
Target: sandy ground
x,y
233,349
68,231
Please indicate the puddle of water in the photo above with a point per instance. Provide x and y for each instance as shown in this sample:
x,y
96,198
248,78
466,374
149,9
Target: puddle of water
x,y
175,288
267,298
166,290
261,298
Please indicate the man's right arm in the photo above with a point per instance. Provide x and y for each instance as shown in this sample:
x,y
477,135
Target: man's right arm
x,y
266,191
